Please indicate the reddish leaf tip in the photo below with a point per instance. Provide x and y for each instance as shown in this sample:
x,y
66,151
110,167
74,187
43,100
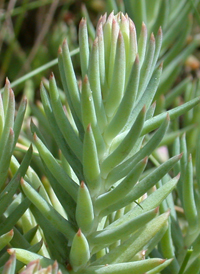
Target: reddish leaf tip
x,y
11,131
152,38
10,251
69,267
11,232
168,117
85,80
34,136
137,60
160,31
59,50
51,76
89,127
7,82
180,155
79,233
83,22
145,160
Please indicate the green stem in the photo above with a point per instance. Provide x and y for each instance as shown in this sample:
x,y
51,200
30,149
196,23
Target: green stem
x,y
38,70
31,6
185,261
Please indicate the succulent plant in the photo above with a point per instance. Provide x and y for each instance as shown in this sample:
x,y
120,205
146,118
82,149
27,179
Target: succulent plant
x,y
99,211
178,42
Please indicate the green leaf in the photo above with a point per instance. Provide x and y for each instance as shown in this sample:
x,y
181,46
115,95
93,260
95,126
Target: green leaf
x,y
138,267
64,147
9,267
62,120
65,86
6,156
79,253
122,189
151,202
64,198
84,46
143,186
19,119
91,167
12,219
193,267
146,98
154,122
189,205
5,239
66,182
48,211
122,170
142,42
108,236
118,79
159,268
95,84
89,115
84,209
70,78
126,105
134,243
124,148
31,233
55,240
26,257
9,121
147,69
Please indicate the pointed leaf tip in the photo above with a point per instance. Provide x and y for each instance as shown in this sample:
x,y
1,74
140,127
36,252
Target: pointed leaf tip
x,y
178,176
152,38
85,80
168,117
10,251
79,233
180,155
51,75
65,44
137,60
144,28
34,136
11,232
22,181
11,92
82,184
145,160
95,43
168,212
131,25
144,109
41,85
120,37
69,267
7,82
59,50
89,127
82,22
160,31
11,131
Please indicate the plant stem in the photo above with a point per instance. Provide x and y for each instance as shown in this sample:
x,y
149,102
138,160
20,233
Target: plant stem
x,y
38,70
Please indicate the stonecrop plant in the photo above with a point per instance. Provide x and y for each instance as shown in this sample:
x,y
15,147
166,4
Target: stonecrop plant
x,y
102,210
